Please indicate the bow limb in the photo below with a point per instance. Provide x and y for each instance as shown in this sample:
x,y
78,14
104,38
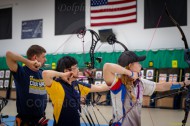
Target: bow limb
x,y
93,46
178,26
187,50
112,40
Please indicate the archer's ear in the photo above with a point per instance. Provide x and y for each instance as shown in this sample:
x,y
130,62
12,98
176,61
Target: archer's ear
x,y
66,70
34,57
130,65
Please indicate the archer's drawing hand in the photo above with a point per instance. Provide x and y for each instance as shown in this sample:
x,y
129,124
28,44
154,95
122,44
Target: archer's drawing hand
x,y
135,75
67,77
34,65
187,82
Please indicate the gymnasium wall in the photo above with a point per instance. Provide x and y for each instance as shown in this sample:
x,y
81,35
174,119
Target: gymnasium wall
x,y
133,35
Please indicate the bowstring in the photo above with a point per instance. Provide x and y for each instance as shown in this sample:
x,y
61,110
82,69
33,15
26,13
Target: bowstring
x,y
66,41
153,36
157,25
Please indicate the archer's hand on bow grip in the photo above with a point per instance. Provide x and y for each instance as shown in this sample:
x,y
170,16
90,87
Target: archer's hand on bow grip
x,y
186,82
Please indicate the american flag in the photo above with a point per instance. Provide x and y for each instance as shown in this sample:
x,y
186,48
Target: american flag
x,y
113,12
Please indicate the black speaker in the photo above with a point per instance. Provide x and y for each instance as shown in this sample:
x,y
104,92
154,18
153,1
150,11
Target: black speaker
x,y
104,34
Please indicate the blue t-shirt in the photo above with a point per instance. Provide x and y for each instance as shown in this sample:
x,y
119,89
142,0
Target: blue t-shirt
x,y
31,96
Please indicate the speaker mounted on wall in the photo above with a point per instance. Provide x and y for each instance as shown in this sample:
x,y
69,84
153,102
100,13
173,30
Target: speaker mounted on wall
x,y
104,34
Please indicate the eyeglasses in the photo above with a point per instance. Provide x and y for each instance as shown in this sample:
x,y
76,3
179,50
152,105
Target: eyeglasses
x,y
74,68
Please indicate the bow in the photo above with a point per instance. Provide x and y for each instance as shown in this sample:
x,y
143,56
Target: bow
x,y
187,59
95,38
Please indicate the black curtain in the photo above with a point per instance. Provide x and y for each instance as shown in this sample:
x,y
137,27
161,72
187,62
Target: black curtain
x,y
6,23
153,9
69,16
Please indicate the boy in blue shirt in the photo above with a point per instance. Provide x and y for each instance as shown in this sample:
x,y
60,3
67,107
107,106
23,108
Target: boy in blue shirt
x,y
31,96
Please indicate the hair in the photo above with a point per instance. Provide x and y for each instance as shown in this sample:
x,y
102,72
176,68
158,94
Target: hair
x,y
35,50
65,63
128,82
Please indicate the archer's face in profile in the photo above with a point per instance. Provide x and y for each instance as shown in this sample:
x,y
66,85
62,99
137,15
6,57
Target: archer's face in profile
x,y
135,67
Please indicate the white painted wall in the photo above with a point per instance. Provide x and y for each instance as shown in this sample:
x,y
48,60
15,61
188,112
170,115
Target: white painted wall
x,y
133,35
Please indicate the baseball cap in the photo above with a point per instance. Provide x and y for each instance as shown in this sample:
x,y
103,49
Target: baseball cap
x,y
128,57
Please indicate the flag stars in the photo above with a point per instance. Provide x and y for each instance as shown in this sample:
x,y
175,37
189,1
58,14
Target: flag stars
x,y
98,2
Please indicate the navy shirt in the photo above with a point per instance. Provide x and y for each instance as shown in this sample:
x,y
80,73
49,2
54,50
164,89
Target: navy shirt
x,y
66,101
31,96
